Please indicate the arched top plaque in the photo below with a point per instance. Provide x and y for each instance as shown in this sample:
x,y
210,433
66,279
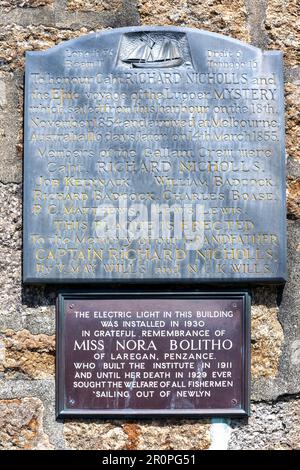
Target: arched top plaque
x,y
154,154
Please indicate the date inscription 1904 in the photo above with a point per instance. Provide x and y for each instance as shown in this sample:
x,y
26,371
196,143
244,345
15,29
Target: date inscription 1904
x,y
154,153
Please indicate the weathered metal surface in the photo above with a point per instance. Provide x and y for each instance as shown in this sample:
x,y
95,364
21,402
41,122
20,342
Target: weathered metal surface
x,y
154,153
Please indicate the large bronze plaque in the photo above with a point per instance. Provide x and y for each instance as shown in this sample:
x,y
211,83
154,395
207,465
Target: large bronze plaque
x,y
152,354
154,154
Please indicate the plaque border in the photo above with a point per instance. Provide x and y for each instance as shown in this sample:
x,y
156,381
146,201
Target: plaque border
x,y
244,411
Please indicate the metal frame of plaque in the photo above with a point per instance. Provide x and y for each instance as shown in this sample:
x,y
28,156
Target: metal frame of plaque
x,y
66,402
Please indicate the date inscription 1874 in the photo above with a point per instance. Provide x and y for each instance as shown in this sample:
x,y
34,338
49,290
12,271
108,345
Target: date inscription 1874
x,y
154,153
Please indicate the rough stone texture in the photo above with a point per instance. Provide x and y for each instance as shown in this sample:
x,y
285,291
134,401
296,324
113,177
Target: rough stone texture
x,y
132,430
293,198
164,435
289,314
158,435
267,334
10,237
10,4
256,15
10,259
21,425
27,393
293,118
20,307
11,104
32,355
94,436
283,28
221,16
293,169
94,5
273,426
44,392
3,99
15,40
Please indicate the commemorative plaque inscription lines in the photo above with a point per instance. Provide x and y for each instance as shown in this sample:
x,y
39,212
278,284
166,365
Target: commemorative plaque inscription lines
x,y
113,138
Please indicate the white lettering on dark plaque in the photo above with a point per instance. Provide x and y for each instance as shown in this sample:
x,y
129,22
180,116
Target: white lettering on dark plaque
x,y
155,354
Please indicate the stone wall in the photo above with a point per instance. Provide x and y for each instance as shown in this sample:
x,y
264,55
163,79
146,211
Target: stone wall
x,y
27,315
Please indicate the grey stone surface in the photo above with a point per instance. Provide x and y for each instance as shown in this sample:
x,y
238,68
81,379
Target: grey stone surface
x,y
147,384
94,93
272,426
28,16
287,379
293,168
11,103
45,391
256,10
292,74
126,17
20,306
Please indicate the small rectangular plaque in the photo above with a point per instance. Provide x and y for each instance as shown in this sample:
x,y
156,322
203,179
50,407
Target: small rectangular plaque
x,y
154,154
153,354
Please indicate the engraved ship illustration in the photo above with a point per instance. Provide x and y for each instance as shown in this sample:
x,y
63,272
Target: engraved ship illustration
x,y
148,55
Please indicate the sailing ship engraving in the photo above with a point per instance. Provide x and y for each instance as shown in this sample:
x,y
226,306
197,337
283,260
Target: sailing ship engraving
x,y
150,54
